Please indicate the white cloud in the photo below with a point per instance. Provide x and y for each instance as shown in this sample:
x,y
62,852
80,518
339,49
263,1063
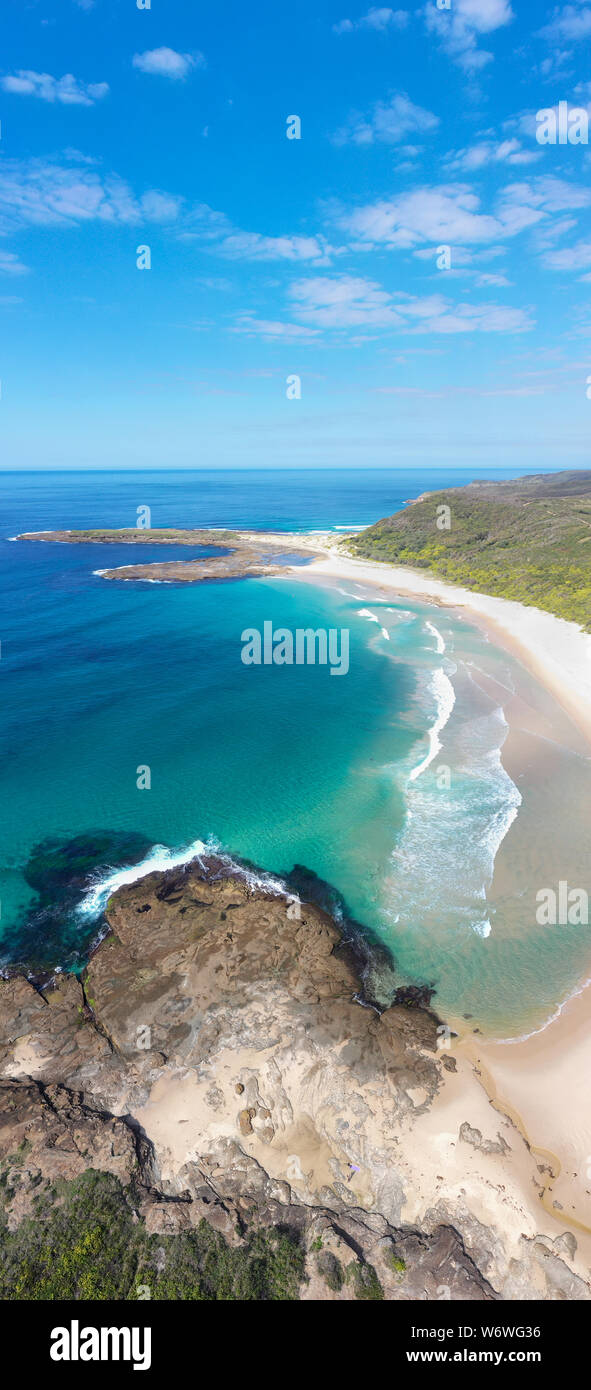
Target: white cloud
x,y
576,257
376,18
486,152
44,193
553,65
254,246
459,28
477,318
451,214
205,224
274,329
11,265
160,207
342,302
476,391
486,279
546,192
167,63
569,22
389,122
66,90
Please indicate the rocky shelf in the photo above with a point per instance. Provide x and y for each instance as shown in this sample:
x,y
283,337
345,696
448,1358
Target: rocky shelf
x,y
246,555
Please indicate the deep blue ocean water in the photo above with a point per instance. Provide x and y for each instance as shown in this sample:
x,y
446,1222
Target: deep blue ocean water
x,y
280,766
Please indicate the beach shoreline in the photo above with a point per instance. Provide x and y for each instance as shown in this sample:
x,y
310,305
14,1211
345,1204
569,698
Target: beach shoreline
x,y
538,1080
556,652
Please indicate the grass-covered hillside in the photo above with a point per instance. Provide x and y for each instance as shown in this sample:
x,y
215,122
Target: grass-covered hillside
x,y
529,540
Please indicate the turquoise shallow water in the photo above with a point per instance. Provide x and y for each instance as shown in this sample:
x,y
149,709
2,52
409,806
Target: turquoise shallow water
x,y
278,765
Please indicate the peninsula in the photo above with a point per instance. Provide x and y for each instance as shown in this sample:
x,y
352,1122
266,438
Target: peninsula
x,y
216,1110
240,554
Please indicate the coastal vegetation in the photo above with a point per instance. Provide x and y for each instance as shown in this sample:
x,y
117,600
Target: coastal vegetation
x,y
528,540
87,1241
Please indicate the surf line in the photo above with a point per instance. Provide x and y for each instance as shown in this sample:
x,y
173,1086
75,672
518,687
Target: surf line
x,y
446,699
438,638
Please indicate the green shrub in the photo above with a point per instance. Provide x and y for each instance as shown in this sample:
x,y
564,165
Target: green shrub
x,y
331,1270
365,1281
85,1242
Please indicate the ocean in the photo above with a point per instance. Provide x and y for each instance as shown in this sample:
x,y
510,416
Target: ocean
x,y
132,734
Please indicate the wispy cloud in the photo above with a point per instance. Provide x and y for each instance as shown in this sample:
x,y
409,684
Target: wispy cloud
x,y
165,62
569,23
67,90
491,151
451,214
344,302
11,265
73,190
388,121
379,19
460,28
576,257
423,392
273,329
205,224
42,192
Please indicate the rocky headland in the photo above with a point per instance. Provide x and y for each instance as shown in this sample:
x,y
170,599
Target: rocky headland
x,y
243,555
220,1059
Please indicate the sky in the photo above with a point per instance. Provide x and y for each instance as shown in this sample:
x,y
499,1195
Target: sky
x,y
297,311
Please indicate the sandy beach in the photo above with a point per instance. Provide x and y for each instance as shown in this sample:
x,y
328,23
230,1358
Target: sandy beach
x,y
556,652
540,1082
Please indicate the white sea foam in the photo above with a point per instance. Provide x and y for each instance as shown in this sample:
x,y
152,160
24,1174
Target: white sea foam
x,y
161,858
445,697
365,613
112,567
445,858
500,824
141,578
438,638
386,634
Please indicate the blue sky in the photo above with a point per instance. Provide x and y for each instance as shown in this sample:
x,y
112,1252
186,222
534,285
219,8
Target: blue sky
x,y
271,257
